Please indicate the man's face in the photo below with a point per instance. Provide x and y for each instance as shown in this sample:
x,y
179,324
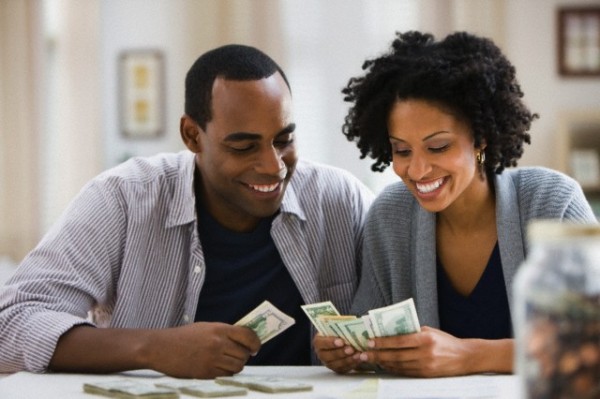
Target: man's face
x,y
246,155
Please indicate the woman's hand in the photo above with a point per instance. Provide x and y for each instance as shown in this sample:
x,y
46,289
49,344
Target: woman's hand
x,y
336,354
434,353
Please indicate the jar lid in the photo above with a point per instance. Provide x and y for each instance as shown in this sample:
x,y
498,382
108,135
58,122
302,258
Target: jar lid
x,y
545,229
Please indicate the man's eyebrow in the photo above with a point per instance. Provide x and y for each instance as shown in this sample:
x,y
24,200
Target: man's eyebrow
x,y
242,136
287,130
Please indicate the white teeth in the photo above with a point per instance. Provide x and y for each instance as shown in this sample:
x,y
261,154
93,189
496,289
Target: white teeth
x,y
429,187
265,189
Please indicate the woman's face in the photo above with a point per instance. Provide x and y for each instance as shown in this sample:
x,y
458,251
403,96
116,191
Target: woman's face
x,y
434,154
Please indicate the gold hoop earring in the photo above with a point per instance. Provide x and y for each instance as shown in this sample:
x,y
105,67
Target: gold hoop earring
x,y
480,158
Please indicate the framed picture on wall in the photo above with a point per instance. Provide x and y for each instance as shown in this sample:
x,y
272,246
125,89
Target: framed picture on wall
x,y
141,93
579,41
585,167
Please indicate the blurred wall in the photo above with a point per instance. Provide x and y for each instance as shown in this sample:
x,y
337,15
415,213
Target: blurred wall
x,y
531,43
19,126
320,45
59,80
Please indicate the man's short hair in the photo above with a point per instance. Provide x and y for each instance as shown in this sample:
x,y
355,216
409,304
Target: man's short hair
x,y
232,62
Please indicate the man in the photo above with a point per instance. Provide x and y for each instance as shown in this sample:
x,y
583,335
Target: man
x,y
172,250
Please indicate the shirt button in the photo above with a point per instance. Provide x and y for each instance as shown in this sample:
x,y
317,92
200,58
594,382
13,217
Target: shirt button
x,y
186,318
197,269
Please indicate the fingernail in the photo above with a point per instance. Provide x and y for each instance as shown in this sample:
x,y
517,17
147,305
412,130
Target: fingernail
x,y
371,343
338,342
356,356
364,357
348,350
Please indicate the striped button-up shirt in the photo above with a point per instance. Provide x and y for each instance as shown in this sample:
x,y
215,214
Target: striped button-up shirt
x,y
126,251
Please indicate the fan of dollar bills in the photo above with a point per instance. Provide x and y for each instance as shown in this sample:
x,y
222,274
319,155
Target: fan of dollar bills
x,y
397,319
400,318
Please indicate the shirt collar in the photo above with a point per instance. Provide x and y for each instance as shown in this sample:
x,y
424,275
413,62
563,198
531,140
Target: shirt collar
x,y
291,202
183,208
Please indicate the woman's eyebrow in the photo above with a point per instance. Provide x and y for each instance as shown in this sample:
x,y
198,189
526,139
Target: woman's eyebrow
x,y
425,138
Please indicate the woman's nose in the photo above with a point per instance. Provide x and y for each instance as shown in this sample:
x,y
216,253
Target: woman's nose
x,y
418,167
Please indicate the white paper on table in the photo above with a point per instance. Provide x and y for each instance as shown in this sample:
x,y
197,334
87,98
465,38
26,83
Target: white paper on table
x,y
473,387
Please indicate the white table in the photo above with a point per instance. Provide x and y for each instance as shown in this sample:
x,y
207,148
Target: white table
x,y
327,385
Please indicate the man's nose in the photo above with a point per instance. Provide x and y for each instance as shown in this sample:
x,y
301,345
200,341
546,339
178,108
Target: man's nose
x,y
270,162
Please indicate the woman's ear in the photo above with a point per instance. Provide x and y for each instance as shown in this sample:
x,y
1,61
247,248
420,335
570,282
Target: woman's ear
x,y
190,131
482,145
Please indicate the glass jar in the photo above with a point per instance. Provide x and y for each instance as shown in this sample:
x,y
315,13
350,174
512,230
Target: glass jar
x,y
557,312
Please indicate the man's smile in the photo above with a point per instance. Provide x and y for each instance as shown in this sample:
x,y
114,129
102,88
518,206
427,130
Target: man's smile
x,y
265,188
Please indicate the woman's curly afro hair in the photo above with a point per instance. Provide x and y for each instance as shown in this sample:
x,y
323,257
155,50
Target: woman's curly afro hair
x,y
463,73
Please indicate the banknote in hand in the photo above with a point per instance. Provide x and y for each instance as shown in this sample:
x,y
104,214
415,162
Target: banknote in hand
x,y
315,311
266,321
397,319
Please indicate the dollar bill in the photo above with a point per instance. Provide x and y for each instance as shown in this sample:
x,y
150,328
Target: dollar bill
x,y
213,390
355,332
329,324
237,380
280,386
316,310
265,383
145,392
368,325
266,321
129,389
104,388
397,319
202,388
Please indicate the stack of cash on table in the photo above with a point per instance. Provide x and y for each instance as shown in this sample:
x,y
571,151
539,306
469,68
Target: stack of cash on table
x,y
171,388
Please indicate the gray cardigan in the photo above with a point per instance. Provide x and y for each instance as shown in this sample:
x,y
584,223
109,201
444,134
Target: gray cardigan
x,y
399,252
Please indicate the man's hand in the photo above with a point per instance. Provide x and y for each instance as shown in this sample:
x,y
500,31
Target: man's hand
x,y
202,350
199,350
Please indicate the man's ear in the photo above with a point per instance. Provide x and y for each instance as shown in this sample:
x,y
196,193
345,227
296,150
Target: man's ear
x,y
190,131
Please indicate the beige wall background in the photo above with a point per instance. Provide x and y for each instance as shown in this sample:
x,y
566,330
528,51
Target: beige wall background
x,y
59,82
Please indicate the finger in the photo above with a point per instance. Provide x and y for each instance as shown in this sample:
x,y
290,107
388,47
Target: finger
x,y
245,337
237,351
230,365
395,342
391,356
329,355
342,362
323,342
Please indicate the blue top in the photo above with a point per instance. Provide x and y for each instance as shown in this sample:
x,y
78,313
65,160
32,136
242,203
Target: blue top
x,y
243,270
484,313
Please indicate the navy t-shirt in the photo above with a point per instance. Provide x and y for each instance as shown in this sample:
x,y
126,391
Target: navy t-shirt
x,y
243,270
482,314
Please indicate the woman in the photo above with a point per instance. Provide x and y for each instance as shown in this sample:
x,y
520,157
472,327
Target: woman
x,y
448,115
